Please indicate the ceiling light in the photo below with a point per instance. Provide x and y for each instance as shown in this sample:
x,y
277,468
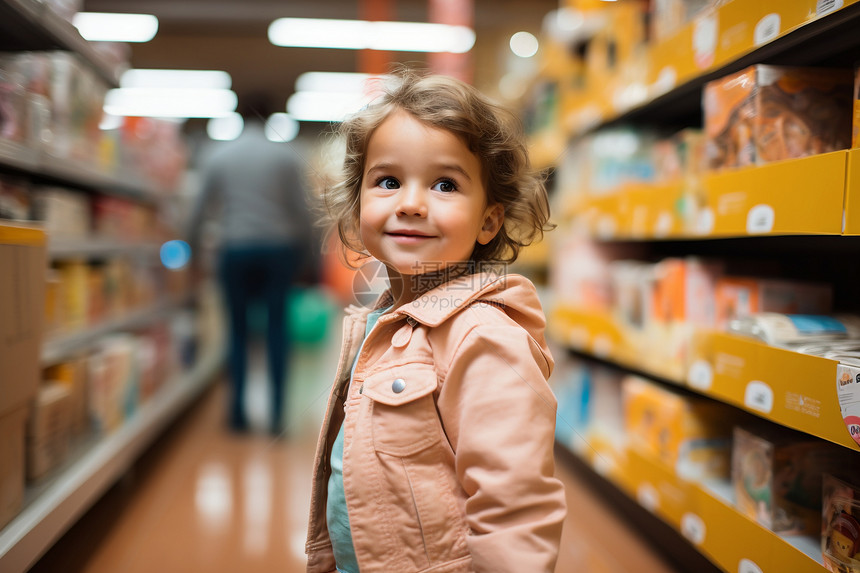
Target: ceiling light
x,y
364,35
281,128
324,106
225,128
107,27
152,102
334,82
524,45
200,79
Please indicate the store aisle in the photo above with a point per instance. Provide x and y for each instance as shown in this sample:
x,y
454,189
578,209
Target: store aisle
x,y
206,501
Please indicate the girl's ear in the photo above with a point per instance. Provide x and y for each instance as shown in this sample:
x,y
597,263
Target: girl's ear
x,y
494,216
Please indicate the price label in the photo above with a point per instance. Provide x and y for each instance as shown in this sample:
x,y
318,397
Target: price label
x,y
602,346
767,29
705,34
665,82
748,566
693,528
700,375
664,225
648,497
759,396
705,221
760,219
827,6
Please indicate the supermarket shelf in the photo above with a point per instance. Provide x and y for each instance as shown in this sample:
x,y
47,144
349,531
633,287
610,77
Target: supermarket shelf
x,y
795,197
52,508
788,388
70,172
98,248
717,43
32,25
705,516
852,194
60,347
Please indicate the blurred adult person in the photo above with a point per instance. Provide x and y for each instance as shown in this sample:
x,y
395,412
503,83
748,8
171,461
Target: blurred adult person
x,y
258,190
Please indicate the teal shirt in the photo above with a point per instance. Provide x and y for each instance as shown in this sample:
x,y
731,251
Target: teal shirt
x,y
336,513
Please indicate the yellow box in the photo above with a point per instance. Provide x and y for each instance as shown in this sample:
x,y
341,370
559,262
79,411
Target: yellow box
x,y
687,434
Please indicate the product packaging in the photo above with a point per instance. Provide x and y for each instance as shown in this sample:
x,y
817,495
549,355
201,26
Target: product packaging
x,y
776,476
48,431
12,463
15,203
840,525
72,374
769,113
64,213
689,434
738,297
74,282
792,330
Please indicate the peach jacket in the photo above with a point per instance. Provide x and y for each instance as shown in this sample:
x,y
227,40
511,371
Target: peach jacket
x,y
448,444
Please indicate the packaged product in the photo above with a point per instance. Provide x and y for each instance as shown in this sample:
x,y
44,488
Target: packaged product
x,y
792,330
15,200
12,463
48,431
776,476
738,297
74,282
72,374
769,113
679,157
848,393
840,528
64,213
690,434
13,108
683,291
114,382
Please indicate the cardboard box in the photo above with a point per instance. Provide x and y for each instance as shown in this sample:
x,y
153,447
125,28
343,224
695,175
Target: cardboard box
x,y
777,476
73,375
12,426
769,113
741,297
688,434
22,298
48,430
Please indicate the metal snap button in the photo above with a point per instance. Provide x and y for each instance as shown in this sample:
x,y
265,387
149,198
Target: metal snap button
x,y
398,386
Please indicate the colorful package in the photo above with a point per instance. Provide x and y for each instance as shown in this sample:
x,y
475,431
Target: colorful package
x,y
738,297
840,525
769,113
776,475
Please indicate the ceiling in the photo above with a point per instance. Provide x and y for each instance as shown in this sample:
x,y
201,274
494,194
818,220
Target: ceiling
x,y
231,35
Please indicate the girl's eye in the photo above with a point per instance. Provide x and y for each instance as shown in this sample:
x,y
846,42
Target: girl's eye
x,y
446,186
388,183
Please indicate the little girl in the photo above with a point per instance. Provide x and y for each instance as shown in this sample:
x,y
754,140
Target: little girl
x,y
436,454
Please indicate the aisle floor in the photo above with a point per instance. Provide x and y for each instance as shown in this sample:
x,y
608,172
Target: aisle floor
x,y
205,500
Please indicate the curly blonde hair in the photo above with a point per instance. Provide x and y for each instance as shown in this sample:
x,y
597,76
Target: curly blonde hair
x,y
491,132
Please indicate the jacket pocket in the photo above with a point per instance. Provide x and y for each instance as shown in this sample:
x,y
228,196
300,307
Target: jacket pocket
x,y
404,417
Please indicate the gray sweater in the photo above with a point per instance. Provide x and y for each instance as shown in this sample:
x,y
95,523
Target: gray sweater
x,y
259,187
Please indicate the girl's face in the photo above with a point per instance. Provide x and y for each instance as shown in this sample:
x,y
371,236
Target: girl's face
x,y
423,201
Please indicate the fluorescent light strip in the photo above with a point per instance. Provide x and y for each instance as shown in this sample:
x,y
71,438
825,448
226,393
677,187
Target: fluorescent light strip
x,y
333,82
184,103
225,128
281,128
198,79
364,35
108,27
324,106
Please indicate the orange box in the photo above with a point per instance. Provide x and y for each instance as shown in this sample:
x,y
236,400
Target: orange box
x,y
688,434
738,297
769,113
683,292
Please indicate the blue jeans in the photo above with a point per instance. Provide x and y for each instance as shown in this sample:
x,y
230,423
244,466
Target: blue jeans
x,y
250,274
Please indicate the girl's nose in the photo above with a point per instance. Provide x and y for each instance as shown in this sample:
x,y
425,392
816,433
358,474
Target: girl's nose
x,y
411,202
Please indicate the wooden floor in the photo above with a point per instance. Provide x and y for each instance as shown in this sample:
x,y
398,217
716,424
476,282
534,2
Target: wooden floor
x,y
205,500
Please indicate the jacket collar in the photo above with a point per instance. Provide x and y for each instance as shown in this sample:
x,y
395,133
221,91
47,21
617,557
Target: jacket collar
x,y
438,304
